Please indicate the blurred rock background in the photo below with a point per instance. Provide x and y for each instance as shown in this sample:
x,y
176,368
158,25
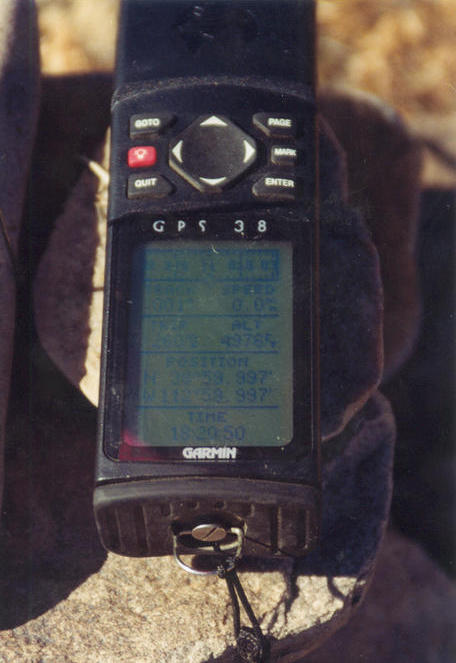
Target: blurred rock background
x,y
77,35
399,50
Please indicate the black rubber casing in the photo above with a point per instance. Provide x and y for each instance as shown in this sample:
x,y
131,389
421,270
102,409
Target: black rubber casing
x,y
167,63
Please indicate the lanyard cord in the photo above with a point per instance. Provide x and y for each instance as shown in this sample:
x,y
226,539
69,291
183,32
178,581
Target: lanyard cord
x,y
207,538
251,643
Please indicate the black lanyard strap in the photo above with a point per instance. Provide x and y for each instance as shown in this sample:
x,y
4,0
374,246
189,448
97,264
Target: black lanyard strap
x,y
226,544
251,643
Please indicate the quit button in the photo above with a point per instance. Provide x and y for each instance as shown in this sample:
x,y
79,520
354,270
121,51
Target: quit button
x,y
148,186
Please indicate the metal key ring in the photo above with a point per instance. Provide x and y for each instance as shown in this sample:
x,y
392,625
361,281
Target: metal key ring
x,y
228,548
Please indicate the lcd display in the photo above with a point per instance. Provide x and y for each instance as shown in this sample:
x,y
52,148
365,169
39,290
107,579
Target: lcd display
x,y
210,345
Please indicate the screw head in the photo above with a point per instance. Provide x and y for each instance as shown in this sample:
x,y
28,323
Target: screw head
x,y
211,532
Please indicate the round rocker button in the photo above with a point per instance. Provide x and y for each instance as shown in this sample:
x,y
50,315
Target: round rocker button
x,y
212,153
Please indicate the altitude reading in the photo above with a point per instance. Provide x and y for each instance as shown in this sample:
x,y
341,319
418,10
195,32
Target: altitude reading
x,y
210,345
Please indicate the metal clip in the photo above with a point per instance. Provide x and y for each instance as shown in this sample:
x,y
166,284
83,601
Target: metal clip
x,y
207,539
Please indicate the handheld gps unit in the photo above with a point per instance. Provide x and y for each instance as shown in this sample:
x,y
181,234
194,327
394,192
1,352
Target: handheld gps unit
x,y
209,417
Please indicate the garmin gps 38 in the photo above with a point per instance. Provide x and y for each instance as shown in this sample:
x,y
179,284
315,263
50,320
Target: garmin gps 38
x,y
209,417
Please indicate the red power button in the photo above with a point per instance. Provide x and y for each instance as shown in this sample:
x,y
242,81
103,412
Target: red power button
x,y
142,156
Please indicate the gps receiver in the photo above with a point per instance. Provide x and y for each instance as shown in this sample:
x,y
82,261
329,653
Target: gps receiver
x,y
209,404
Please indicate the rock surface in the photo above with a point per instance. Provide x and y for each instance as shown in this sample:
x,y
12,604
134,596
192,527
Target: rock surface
x,y
19,93
66,600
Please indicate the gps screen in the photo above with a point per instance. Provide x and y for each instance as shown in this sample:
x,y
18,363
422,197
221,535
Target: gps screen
x,y
210,345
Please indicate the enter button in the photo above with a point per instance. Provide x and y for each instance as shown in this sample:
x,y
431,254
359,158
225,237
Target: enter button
x,y
279,188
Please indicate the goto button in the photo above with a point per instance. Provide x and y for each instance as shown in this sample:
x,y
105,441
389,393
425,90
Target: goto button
x,y
139,157
145,123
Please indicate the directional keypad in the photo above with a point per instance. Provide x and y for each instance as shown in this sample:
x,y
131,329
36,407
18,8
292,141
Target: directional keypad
x,y
212,153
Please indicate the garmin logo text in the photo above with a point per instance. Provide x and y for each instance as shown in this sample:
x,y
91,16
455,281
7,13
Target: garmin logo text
x,y
209,453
